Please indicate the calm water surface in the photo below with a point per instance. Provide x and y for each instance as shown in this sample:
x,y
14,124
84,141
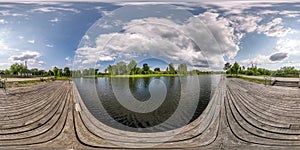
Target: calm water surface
x,y
185,100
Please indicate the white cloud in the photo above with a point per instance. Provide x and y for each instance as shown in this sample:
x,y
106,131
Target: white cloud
x,y
286,13
183,44
31,41
49,45
2,21
41,63
68,59
8,13
286,49
223,32
236,7
5,48
21,37
274,29
54,20
258,60
53,9
29,56
4,65
247,23
287,45
86,37
107,13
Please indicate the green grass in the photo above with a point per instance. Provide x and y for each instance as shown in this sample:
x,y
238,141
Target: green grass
x,y
62,78
259,81
141,75
22,83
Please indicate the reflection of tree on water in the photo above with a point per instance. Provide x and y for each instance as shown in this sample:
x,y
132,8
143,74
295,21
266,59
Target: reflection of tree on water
x,y
139,87
113,113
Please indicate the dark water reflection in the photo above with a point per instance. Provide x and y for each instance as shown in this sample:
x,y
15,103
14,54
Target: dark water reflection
x,y
99,97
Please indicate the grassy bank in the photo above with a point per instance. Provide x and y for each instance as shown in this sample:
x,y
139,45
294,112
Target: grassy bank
x,y
63,78
27,83
140,75
259,81
22,83
143,75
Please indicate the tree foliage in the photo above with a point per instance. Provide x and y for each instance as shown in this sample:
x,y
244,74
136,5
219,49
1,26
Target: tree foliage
x,y
172,69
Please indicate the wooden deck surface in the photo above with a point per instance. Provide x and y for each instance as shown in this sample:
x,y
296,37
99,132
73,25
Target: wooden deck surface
x,y
241,115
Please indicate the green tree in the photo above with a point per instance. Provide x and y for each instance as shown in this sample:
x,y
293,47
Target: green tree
x,y
42,72
138,70
145,69
157,69
227,66
18,69
59,72
67,71
182,68
120,68
172,69
55,71
96,71
50,73
287,71
7,72
110,69
14,69
34,71
131,67
76,73
235,69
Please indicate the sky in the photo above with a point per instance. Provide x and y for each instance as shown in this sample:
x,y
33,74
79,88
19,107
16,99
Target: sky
x,y
202,34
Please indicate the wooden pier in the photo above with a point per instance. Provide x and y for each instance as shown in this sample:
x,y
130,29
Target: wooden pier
x,y
240,115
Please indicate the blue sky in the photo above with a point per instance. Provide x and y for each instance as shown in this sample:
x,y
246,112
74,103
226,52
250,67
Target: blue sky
x,y
202,34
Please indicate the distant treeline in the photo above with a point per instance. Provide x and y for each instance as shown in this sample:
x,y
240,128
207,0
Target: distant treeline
x,y
287,71
121,68
21,70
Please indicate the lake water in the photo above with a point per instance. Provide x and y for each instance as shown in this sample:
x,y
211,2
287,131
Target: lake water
x,y
147,104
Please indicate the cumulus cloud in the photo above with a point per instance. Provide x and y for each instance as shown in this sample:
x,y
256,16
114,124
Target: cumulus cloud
x,y
9,13
186,42
274,29
168,40
278,56
2,21
107,13
49,45
4,65
286,13
287,45
258,60
247,23
223,31
41,63
54,20
31,41
26,56
86,37
68,58
53,9
5,48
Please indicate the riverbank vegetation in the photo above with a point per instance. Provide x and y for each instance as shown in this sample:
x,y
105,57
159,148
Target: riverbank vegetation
x,y
121,69
236,69
19,70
